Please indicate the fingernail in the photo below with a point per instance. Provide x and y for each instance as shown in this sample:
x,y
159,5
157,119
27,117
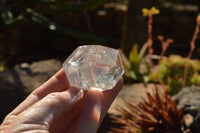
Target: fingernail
x,y
76,94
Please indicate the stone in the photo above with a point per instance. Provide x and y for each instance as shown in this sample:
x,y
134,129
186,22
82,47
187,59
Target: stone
x,y
188,99
93,66
20,81
188,120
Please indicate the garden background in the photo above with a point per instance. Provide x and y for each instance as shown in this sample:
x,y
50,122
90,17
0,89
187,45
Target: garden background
x,y
36,37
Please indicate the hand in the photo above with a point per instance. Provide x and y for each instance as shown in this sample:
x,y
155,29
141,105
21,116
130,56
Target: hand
x,y
56,108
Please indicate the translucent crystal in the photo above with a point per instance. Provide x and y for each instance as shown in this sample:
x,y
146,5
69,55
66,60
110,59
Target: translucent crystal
x,y
93,66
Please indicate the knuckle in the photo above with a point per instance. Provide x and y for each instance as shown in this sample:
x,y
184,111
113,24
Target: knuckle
x,y
53,99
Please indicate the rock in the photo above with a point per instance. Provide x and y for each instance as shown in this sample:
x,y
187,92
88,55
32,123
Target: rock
x,y
188,120
188,99
17,83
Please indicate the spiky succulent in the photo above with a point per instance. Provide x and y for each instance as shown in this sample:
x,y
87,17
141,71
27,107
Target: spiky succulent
x,y
156,114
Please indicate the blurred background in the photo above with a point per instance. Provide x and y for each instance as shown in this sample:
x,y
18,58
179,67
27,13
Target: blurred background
x,y
37,36
43,29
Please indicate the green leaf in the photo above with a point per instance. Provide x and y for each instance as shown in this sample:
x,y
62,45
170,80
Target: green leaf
x,y
133,75
38,18
2,67
29,13
133,57
7,15
142,51
147,67
126,63
146,78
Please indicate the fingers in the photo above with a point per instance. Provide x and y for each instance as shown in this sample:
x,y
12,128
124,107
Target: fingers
x,y
109,96
56,83
95,107
60,103
54,99
91,112
67,122
46,111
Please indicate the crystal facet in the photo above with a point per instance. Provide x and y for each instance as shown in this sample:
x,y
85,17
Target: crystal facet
x,y
93,66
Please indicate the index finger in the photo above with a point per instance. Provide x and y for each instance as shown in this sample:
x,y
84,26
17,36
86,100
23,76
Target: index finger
x,y
56,83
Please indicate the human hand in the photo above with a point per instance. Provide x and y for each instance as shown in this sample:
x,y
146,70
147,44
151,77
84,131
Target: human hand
x,y
55,107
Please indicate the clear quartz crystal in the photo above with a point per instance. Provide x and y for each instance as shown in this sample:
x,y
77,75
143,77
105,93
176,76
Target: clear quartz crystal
x,y
93,66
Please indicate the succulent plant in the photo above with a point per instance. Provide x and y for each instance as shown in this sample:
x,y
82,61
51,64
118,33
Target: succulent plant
x,y
171,73
156,114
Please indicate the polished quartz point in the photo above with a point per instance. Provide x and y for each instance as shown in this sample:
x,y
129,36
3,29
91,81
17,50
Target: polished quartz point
x,y
93,66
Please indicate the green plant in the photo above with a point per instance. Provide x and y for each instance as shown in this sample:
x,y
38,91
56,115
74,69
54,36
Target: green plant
x,y
132,64
14,12
171,73
15,16
192,47
174,71
156,114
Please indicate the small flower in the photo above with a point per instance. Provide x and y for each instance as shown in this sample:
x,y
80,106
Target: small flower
x,y
170,40
198,19
155,11
152,11
145,11
161,38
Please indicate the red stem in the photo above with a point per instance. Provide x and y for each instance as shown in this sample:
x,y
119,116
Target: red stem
x,y
150,41
192,47
165,45
192,43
